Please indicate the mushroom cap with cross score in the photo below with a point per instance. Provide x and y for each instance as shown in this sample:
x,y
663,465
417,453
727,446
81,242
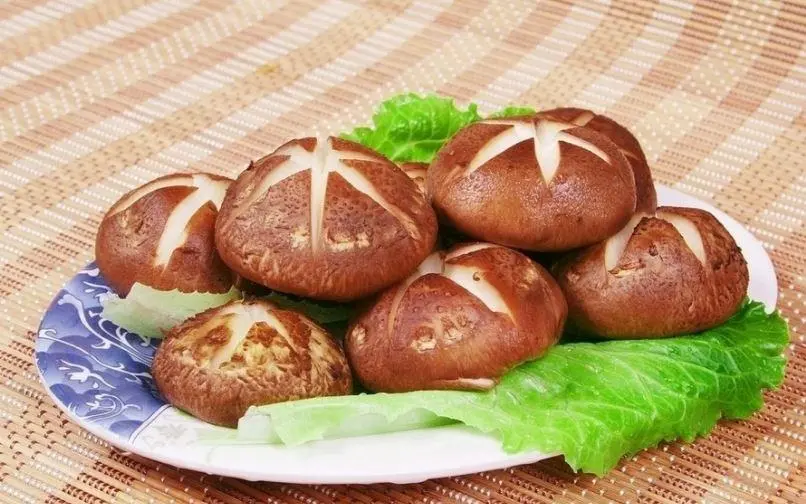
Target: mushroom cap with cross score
x,y
675,272
533,184
162,235
218,363
460,321
325,219
646,197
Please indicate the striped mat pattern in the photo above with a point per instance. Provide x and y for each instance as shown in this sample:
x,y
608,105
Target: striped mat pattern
x,y
97,97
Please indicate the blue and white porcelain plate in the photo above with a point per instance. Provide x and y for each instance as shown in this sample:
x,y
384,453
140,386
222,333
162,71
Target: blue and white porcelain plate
x,y
98,373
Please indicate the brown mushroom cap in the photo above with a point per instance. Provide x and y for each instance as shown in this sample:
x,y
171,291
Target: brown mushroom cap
x,y
463,319
245,353
677,272
327,220
416,172
532,183
162,235
646,197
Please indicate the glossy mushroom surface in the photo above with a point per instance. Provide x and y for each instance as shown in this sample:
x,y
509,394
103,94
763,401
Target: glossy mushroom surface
x,y
246,353
326,219
532,183
162,235
675,272
646,197
460,321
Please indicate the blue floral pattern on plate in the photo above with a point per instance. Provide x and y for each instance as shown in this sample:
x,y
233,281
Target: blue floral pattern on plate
x,y
98,371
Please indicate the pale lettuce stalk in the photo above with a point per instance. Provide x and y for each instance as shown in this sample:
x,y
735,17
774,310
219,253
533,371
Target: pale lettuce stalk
x,y
150,312
380,417
592,402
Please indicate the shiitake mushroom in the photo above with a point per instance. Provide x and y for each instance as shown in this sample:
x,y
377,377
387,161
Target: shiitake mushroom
x,y
532,183
646,197
325,219
675,272
247,353
162,235
464,318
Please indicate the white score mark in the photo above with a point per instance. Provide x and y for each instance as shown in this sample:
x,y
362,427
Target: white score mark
x,y
240,318
469,278
546,136
585,117
616,244
175,232
323,161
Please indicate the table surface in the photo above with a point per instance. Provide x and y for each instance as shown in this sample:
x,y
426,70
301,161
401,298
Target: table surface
x,y
99,97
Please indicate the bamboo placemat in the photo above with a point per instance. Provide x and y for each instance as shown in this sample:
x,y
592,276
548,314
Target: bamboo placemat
x,y
98,97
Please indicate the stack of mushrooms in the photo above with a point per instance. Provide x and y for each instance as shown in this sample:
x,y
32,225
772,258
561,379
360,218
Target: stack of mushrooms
x,y
330,220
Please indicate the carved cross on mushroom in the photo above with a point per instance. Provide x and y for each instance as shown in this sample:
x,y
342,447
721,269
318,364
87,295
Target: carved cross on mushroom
x,y
247,353
546,136
586,116
678,269
470,278
324,218
237,320
646,198
175,232
321,162
616,244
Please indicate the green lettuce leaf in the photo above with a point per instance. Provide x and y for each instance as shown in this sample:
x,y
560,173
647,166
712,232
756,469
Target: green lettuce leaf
x,y
512,111
592,402
321,312
149,312
412,128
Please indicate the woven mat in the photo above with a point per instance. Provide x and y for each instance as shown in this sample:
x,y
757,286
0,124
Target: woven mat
x,y
99,97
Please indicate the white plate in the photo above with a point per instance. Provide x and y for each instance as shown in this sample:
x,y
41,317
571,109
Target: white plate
x,y
98,373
